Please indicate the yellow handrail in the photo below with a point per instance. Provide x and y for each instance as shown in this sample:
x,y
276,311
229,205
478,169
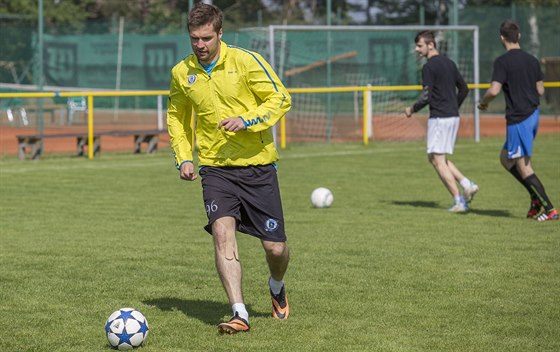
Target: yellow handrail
x,y
142,93
136,93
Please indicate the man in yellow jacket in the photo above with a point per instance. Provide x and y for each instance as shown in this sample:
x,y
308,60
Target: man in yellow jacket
x,y
236,98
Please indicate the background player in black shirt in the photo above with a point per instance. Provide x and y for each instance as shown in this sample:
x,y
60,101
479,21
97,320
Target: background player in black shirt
x,y
520,76
444,89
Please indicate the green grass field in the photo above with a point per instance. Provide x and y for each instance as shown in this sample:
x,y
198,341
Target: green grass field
x,y
386,268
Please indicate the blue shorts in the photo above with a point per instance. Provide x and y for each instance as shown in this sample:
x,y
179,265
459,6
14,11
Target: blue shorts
x,y
520,137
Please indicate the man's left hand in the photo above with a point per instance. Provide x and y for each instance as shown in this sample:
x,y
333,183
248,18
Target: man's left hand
x,y
408,111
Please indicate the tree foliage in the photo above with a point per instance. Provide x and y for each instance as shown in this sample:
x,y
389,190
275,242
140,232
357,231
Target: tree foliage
x,y
61,15
148,16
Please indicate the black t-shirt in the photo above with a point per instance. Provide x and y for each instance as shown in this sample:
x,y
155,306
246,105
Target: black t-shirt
x,y
518,72
446,87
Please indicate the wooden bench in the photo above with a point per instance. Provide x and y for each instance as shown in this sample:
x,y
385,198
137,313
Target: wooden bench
x,y
35,141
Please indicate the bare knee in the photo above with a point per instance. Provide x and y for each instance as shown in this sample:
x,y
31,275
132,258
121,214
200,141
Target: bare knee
x,y
275,249
431,159
437,160
505,161
525,167
223,231
223,226
277,257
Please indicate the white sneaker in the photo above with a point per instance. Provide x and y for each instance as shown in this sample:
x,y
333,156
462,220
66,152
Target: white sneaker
x,y
459,208
470,191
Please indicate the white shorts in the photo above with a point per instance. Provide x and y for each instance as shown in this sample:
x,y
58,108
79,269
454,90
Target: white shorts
x,y
441,134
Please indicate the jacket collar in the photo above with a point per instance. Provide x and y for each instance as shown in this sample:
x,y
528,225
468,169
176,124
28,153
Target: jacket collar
x,y
223,54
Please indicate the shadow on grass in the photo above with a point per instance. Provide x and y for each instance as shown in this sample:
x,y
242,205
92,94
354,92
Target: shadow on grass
x,y
491,212
209,312
484,212
416,203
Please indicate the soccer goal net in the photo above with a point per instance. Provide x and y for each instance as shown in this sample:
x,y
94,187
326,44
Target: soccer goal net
x,y
383,57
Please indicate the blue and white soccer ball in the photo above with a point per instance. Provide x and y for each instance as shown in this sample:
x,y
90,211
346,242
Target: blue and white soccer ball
x,y
126,329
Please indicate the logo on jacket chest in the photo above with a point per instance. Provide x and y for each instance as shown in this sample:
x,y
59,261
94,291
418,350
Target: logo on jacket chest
x,y
192,79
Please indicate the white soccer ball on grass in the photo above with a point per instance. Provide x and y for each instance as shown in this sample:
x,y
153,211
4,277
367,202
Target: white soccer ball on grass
x,y
321,197
126,329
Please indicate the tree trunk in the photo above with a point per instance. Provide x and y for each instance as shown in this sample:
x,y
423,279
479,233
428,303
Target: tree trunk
x,y
369,19
441,12
534,36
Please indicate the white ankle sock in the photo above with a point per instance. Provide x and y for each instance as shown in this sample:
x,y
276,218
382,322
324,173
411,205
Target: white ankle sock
x,y
466,183
240,309
458,199
275,286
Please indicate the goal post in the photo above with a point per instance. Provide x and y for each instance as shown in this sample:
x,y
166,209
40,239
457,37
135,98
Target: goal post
x,y
341,56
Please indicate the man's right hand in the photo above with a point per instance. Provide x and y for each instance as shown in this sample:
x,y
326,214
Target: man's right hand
x,y
186,172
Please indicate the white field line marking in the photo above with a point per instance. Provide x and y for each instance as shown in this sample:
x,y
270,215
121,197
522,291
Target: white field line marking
x,y
123,164
113,164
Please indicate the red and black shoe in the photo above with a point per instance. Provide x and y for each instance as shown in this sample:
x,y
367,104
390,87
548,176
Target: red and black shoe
x,y
535,209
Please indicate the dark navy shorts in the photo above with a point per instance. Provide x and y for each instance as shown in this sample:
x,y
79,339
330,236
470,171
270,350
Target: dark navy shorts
x,y
250,194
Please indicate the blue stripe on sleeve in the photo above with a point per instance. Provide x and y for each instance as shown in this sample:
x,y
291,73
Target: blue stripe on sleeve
x,y
260,63
283,100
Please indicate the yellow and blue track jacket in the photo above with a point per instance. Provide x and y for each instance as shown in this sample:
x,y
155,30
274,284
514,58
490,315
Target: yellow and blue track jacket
x,y
242,84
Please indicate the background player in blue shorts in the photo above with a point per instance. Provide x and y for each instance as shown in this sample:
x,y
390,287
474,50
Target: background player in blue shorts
x,y
520,76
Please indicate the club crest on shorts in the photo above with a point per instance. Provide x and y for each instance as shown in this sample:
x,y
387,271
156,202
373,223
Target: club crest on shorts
x,y
192,79
271,225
